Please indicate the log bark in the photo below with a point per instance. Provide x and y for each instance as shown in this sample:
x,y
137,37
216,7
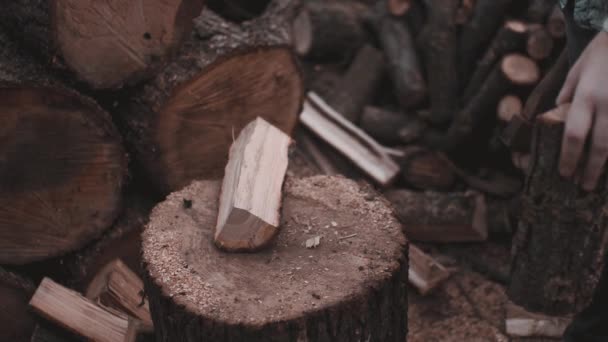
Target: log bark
x,y
560,246
441,217
328,30
477,33
510,38
105,43
58,150
181,124
517,135
440,46
425,169
540,42
391,128
331,295
405,70
16,322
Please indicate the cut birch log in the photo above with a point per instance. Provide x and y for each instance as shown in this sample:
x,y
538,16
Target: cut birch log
x,y
425,273
391,128
328,30
521,323
117,287
349,140
62,164
425,169
540,42
181,124
250,200
560,246
441,217
79,315
508,107
106,43
16,322
330,293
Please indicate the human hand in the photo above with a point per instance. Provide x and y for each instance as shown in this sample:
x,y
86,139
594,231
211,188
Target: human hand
x,y
587,88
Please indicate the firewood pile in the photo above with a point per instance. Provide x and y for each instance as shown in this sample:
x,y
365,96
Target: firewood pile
x,y
108,107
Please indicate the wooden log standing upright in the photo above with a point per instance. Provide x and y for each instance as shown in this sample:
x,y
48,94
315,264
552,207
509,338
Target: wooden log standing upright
x,y
182,123
351,287
62,164
559,249
106,43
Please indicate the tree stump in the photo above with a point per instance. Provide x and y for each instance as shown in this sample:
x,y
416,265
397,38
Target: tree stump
x,y
106,43
62,164
349,286
182,123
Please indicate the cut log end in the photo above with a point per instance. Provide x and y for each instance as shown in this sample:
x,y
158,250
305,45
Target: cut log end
x,y
110,43
398,7
58,153
192,116
540,43
520,69
517,26
508,107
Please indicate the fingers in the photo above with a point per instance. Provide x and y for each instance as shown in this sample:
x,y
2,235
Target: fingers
x,y
568,89
578,124
599,150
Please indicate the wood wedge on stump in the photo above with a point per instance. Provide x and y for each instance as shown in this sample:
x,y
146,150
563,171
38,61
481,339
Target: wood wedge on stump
x,y
182,123
249,205
62,164
107,44
335,290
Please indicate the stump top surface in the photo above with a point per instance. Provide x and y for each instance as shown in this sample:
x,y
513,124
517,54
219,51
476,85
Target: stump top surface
x,y
361,244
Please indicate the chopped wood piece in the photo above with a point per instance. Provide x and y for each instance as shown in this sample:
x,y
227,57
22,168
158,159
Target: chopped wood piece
x,y
440,46
181,124
250,200
328,29
425,273
441,217
398,7
543,96
391,128
517,135
477,33
540,43
349,140
521,323
62,163
425,169
538,10
106,43
560,244
556,23
405,70
78,314
116,286
16,322
355,280
508,107
357,87
510,38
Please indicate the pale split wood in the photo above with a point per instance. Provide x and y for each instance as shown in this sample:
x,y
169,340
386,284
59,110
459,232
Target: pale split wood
x,y
78,314
522,323
425,273
250,199
349,140
118,287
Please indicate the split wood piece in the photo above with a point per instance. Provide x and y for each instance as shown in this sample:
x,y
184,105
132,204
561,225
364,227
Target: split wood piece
x,y
79,315
399,8
543,96
538,10
513,72
517,135
560,245
556,23
508,107
58,151
521,323
478,32
250,200
392,128
238,10
349,140
328,30
425,169
359,84
116,286
106,43
540,43
16,322
439,43
337,292
441,217
425,273
405,70
509,39
182,123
